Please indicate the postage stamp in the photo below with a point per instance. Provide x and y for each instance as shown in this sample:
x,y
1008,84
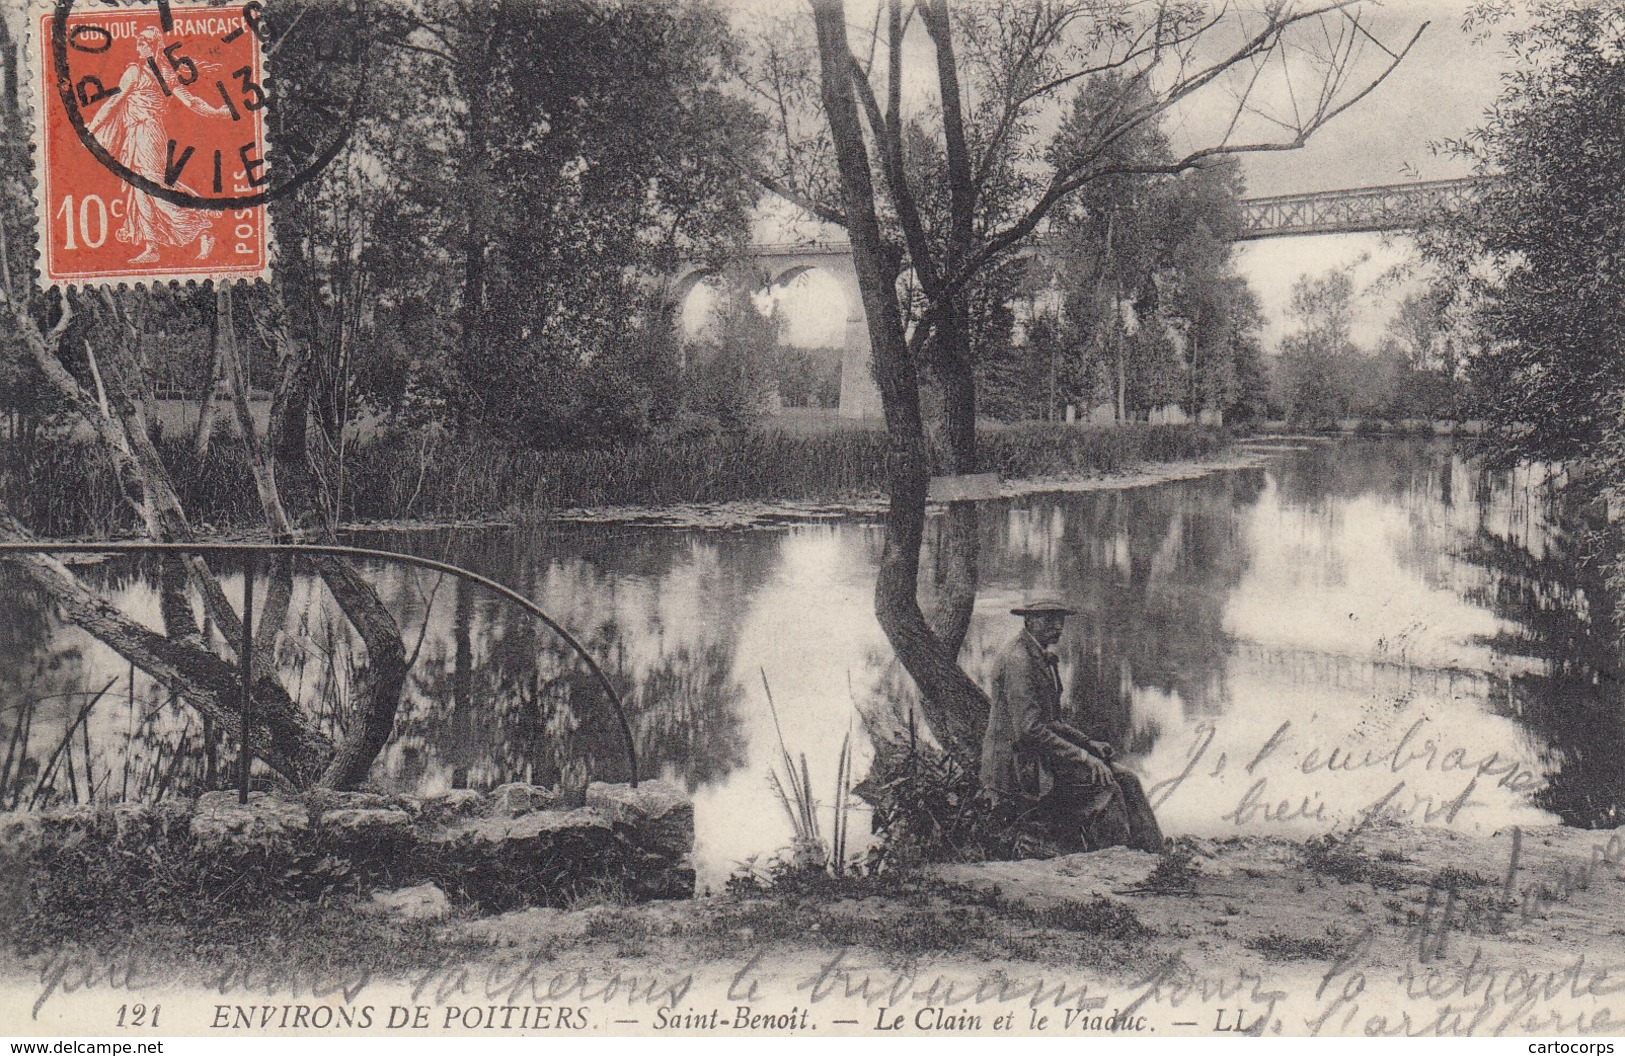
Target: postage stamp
x,y
151,152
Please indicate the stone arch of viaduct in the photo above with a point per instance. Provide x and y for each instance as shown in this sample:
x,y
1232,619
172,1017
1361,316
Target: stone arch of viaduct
x,y
774,265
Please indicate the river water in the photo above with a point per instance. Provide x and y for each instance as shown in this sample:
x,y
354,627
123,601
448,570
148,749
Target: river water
x,y
1343,629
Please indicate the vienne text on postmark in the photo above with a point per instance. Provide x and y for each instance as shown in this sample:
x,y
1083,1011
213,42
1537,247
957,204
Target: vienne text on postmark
x,y
151,157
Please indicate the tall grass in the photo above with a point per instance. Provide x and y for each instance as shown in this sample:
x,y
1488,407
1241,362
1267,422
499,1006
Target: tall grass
x,y
69,488
399,477
794,791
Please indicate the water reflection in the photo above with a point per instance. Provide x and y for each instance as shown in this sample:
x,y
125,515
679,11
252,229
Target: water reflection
x,y
1277,649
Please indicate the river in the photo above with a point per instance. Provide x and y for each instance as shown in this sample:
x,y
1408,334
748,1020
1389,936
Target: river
x,y
1284,648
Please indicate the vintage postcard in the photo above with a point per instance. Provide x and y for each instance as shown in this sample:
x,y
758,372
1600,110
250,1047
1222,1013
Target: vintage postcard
x,y
846,518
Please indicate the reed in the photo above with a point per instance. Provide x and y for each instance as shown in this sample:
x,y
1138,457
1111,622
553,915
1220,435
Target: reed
x,y
794,792
401,478
64,748
67,488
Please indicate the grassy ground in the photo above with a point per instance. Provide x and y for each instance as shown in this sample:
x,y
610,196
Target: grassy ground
x,y
1394,902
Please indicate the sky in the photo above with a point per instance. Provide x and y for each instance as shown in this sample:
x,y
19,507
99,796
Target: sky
x,y
1441,90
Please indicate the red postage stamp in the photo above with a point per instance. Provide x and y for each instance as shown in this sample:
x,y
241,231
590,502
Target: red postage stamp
x,y
151,153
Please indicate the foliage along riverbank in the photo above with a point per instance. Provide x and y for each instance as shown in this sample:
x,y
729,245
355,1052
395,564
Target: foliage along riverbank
x,y
67,489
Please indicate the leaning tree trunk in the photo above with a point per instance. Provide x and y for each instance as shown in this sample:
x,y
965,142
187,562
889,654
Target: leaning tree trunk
x,y
181,660
954,704
956,569
283,737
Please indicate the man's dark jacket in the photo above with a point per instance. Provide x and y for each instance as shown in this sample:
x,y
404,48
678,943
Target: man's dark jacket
x,y
1021,745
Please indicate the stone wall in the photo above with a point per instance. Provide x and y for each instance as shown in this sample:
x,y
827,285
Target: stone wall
x,y
516,845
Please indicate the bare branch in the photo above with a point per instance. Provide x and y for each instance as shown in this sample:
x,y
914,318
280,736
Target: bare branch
x,y
889,139
421,49
1083,171
822,211
1136,51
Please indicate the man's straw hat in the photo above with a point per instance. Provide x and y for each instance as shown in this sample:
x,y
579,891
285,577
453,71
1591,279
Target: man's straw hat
x,y
1041,603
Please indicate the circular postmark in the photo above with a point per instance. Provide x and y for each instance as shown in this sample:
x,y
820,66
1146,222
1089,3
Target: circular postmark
x,y
309,108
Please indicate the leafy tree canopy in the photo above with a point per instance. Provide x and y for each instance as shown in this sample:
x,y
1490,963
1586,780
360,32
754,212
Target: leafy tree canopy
x,y
1539,262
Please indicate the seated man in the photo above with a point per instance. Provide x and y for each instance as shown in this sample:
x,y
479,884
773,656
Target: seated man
x,y
1029,752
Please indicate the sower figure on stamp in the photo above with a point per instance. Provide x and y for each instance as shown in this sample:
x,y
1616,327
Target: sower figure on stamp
x,y
131,126
1030,753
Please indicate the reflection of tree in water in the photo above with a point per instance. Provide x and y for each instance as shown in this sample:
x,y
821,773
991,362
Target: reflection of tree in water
x,y
1149,569
687,716
494,695
73,731
1535,564
505,700
36,671
1568,620
1324,474
1153,614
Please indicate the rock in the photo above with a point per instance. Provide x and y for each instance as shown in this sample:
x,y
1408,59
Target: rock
x,y
660,815
364,821
20,832
452,803
173,813
536,927
78,818
514,799
423,902
134,821
219,817
542,826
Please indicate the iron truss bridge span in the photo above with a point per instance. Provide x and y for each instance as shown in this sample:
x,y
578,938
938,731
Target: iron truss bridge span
x,y
1394,207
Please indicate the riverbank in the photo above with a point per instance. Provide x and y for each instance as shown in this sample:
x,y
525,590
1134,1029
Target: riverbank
x,y
67,489
1398,929
767,514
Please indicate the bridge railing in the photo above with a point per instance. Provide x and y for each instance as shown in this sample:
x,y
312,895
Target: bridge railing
x,y
245,645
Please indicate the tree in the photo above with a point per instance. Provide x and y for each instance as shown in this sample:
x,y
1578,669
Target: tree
x,y
1537,263
1314,367
996,70
1035,377
1249,397
573,151
728,379
1158,246
512,176
25,396
1422,345
1418,324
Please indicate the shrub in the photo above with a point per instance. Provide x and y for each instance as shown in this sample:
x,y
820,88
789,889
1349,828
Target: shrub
x,y
1336,858
929,807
